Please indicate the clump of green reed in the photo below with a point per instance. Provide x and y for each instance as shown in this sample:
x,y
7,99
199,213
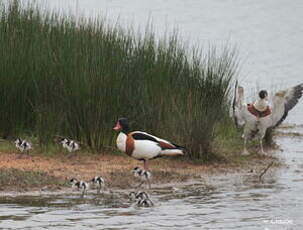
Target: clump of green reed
x,y
59,76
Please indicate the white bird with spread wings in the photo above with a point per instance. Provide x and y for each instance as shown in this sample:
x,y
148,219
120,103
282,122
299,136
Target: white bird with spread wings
x,y
264,113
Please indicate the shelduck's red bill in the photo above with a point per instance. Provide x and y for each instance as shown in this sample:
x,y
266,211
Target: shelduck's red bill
x,y
117,127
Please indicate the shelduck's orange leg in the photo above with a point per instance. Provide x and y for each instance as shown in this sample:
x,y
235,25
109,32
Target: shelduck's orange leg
x,y
147,169
146,165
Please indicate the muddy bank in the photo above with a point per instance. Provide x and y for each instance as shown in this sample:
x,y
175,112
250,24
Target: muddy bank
x,y
42,174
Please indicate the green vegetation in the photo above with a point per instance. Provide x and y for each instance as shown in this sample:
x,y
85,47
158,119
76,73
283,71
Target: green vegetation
x,y
59,76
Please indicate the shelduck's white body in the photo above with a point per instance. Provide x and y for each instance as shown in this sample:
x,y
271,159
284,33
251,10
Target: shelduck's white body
x,y
121,141
146,149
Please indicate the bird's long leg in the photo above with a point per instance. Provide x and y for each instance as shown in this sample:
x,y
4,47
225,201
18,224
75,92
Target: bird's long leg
x,y
245,152
149,185
139,185
147,169
146,165
99,188
261,146
83,192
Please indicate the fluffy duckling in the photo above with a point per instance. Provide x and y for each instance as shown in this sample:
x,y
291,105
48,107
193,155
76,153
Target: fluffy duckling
x,y
23,145
80,185
70,145
142,199
99,181
134,196
145,203
142,175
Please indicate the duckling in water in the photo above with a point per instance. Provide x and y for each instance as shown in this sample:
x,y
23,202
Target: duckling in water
x,y
133,196
145,203
141,198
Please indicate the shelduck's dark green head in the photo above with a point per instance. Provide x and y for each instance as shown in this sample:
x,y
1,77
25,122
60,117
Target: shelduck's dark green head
x,y
263,94
122,125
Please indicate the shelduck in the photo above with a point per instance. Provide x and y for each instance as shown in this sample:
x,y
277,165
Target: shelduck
x,y
99,181
80,185
142,175
70,145
264,113
143,146
23,145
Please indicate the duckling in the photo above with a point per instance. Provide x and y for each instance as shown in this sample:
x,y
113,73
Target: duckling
x,y
80,185
142,175
23,145
134,196
145,202
99,181
70,145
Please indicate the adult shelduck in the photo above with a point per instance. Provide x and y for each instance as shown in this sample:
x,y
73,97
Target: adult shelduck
x,y
143,146
264,113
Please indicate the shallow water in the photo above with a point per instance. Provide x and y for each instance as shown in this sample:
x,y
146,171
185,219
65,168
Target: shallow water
x,y
269,38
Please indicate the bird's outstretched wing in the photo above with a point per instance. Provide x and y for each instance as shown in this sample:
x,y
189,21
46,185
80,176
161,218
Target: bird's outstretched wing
x,y
283,101
237,105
